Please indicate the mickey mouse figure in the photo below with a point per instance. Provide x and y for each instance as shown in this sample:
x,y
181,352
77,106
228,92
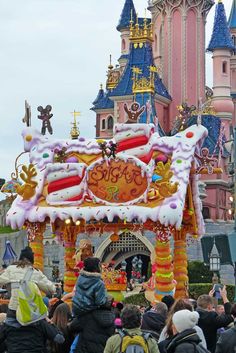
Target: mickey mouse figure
x,y
45,116
134,112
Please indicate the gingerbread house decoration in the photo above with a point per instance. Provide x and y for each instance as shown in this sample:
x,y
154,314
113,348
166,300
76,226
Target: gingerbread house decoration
x,y
145,181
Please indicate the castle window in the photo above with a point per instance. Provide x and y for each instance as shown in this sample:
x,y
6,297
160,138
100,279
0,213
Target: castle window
x,y
110,123
234,41
123,46
155,42
206,213
103,124
224,67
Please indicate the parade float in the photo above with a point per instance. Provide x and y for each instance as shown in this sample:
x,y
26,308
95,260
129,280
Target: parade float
x,y
138,180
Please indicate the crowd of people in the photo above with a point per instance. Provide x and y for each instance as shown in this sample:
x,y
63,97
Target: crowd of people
x,y
94,323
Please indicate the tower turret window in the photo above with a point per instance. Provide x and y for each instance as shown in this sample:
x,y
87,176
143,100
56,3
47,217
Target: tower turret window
x,y
224,67
110,123
123,45
103,124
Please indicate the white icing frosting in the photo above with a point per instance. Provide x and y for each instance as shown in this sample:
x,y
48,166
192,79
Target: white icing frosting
x,y
180,148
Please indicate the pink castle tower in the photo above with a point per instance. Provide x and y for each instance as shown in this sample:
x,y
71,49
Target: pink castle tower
x,y
179,48
232,25
222,46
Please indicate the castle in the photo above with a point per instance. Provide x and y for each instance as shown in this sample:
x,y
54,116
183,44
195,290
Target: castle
x,y
162,65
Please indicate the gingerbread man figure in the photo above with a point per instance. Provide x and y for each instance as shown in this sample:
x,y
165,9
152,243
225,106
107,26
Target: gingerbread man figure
x,y
134,112
205,161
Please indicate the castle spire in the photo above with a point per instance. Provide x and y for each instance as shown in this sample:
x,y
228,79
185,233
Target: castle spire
x,y
232,17
125,17
221,37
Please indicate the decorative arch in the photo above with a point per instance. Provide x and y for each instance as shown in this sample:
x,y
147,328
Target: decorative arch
x,y
110,122
145,248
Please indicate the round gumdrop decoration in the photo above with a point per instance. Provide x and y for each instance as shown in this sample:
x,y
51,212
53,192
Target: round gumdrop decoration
x,y
161,158
28,138
45,155
179,161
156,177
173,205
189,134
72,160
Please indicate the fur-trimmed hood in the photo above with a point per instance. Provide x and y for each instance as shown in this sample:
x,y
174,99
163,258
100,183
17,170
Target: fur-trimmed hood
x,y
88,279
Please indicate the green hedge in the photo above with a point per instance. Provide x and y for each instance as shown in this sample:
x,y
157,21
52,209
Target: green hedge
x,y
6,230
195,290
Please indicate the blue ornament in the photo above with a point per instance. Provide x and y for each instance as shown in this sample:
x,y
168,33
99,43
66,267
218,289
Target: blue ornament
x,y
156,177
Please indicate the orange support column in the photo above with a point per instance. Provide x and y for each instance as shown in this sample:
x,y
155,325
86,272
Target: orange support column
x,y
164,269
70,235
180,264
37,245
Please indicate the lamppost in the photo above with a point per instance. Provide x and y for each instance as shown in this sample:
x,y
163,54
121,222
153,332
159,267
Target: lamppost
x,y
123,265
139,266
214,259
232,236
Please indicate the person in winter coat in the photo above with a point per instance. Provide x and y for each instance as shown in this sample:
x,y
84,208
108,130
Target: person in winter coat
x,y
31,338
209,320
167,332
227,340
13,274
61,318
131,320
185,339
94,328
154,320
90,293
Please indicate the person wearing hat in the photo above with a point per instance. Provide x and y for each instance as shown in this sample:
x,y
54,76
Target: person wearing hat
x,y
185,337
13,274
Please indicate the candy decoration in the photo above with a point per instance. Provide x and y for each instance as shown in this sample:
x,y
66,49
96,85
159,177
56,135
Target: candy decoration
x,y
189,134
69,276
37,245
28,138
45,155
180,265
156,177
161,158
164,269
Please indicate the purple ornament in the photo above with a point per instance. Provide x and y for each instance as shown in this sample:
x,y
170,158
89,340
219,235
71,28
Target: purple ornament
x,y
81,139
161,158
72,160
173,205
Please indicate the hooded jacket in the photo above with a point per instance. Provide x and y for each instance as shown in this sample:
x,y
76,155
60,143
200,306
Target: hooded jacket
x,y
90,293
94,329
227,341
153,321
14,274
210,322
184,342
113,344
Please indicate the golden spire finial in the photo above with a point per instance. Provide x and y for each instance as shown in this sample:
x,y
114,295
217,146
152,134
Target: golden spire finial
x,y
110,66
74,133
101,87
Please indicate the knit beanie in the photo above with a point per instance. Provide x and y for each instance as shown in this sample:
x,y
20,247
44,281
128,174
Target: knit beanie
x,y
28,254
185,319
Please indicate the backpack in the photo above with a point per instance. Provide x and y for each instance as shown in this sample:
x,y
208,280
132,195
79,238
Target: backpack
x,y
31,307
133,344
198,348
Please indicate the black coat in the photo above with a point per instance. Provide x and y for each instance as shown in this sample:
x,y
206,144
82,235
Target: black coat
x,y
29,339
94,329
227,341
210,322
184,342
153,322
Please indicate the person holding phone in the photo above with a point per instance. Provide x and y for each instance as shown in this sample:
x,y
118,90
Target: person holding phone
x,y
209,320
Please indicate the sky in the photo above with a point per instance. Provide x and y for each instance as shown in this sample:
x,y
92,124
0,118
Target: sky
x,y
56,52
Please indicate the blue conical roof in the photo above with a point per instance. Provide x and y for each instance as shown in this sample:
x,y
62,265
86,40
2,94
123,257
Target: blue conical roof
x,y
126,15
232,17
221,36
100,95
